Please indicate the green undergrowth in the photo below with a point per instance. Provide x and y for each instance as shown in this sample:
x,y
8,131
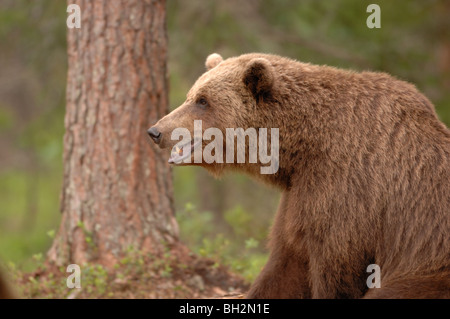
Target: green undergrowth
x,y
136,275
241,248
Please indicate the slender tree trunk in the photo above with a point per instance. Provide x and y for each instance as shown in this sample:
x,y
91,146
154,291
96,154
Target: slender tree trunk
x,y
117,189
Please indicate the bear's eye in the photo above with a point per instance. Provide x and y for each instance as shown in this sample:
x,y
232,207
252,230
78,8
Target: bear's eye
x,y
202,102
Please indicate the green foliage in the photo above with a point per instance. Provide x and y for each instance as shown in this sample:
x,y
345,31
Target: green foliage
x,y
28,211
95,279
33,60
237,250
239,220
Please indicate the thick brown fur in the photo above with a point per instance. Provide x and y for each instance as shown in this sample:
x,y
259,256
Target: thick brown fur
x,y
364,174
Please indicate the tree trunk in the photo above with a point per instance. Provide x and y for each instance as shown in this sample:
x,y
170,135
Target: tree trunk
x,y
117,189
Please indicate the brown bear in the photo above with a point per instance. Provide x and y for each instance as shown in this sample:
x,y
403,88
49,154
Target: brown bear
x,y
364,171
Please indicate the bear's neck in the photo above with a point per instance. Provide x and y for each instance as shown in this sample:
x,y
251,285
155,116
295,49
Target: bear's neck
x,y
314,116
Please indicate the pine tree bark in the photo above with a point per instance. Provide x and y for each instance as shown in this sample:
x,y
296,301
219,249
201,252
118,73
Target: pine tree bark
x,y
117,187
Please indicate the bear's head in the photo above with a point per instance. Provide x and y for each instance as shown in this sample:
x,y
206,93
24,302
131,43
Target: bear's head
x,y
233,94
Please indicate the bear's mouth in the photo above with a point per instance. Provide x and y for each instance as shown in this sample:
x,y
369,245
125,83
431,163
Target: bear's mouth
x,y
181,152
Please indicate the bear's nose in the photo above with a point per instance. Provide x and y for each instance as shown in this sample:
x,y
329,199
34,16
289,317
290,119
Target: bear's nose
x,y
154,134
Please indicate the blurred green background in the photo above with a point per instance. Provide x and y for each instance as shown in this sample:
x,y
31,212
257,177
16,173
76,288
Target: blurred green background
x,y
228,219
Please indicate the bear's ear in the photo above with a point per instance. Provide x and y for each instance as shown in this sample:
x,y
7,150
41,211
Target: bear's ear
x,y
259,76
212,61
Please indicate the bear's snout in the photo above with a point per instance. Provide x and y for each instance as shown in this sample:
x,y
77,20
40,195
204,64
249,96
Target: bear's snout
x,y
155,134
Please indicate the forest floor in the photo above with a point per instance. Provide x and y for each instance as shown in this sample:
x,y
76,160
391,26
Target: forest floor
x,y
138,276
